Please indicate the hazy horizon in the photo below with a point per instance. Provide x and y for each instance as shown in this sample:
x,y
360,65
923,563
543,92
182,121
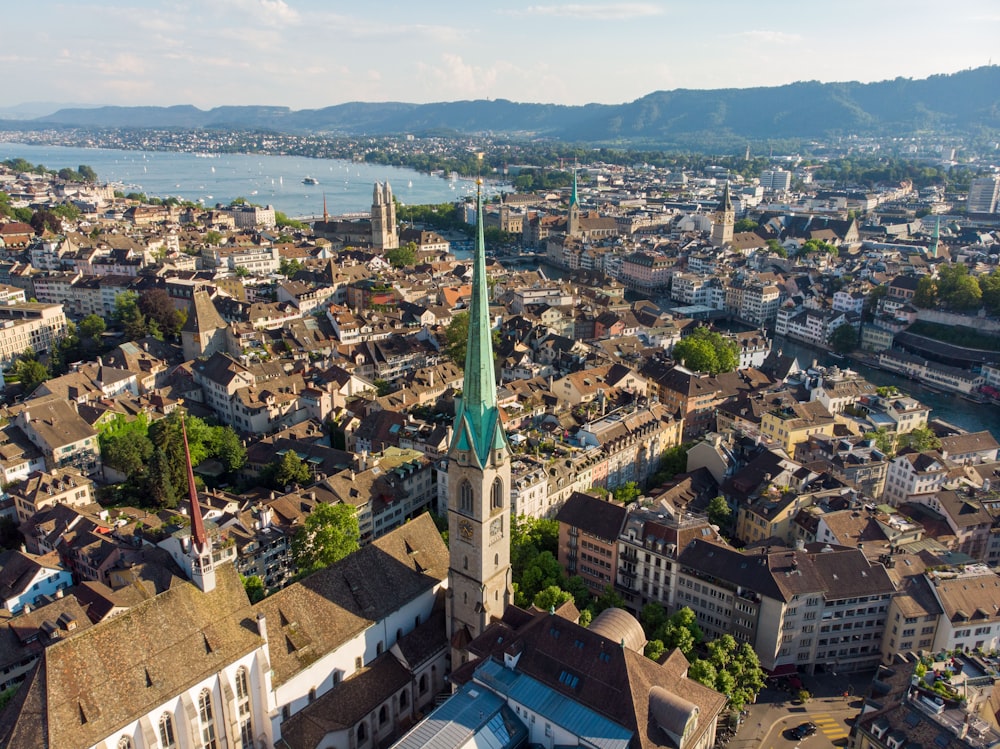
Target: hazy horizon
x,y
308,54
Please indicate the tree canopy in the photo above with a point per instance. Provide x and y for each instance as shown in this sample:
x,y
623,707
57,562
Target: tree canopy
x,y
707,351
329,533
844,339
731,668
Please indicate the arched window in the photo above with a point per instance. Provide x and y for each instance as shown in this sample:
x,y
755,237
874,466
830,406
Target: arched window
x,y
383,715
312,695
243,707
497,500
399,634
465,563
422,685
465,497
167,738
496,560
207,720
362,733
404,699
124,743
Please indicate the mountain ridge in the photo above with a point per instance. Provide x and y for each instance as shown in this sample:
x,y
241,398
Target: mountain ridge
x,y
965,102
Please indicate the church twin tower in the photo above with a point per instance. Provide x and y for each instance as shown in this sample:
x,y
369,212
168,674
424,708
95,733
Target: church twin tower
x,y
479,579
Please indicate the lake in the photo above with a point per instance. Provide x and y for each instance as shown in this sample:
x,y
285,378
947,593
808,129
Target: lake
x,y
267,180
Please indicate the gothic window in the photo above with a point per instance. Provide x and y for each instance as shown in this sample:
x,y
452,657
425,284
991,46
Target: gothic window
x,y
465,497
423,683
383,715
206,720
362,734
497,503
312,695
403,699
243,708
167,739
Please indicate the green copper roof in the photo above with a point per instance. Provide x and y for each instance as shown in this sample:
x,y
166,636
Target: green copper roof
x,y
477,423
573,197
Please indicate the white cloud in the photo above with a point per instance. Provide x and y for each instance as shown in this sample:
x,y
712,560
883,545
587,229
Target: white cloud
x,y
607,12
766,36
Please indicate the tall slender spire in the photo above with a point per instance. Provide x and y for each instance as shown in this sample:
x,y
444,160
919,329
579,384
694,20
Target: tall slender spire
x,y
726,204
198,535
574,198
477,421
326,216
937,236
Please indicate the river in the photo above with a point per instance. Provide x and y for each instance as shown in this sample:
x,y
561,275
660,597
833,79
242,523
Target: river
x,y
267,180
973,417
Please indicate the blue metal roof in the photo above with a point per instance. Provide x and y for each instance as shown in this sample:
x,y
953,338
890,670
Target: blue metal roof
x,y
472,717
554,707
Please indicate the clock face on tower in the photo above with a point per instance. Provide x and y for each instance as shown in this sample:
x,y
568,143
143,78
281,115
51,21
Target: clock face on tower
x,y
465,528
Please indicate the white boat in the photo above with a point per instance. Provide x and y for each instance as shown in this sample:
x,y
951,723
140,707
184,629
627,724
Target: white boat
x,y
310,181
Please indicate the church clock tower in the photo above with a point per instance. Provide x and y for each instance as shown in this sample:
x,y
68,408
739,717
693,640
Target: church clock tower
x,y
479,582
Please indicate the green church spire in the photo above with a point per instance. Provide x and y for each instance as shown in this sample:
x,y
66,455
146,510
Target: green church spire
x,y
574,199
477,421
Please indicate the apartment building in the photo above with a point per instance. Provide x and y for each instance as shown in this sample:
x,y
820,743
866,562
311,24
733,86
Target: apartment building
x,y
29,325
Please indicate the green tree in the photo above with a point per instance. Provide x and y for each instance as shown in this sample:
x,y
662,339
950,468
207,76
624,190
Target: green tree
x,y
542,572
242,271
87,173
966,294
551,597
926,295
254,588
287,470
652,617
329,533
654,650
919,439
213,237
158,307
288,267
673,460
31,373
609,599
989,285
404,256
773,245
707,351
627,492
732,669
745,224
844,339
159,485
456,337
128,453
719,512
885,441
227,446
129,316
681,631
91,328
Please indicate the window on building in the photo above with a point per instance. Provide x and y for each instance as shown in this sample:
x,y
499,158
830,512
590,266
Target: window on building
x,y
465,497
497,495
167,738
124,743
206,720
243,709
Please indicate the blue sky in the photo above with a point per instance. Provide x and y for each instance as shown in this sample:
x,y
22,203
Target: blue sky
x,y
315,53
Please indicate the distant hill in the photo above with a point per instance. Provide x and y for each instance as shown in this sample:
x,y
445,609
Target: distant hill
x,y
968,101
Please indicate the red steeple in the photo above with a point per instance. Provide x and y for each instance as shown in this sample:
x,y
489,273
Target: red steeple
x,y
326,216
198,535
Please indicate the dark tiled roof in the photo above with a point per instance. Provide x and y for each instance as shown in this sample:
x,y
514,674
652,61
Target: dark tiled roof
x,y
596,517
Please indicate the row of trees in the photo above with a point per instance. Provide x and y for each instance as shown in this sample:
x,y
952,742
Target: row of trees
x,y
956,289
725,665
151,455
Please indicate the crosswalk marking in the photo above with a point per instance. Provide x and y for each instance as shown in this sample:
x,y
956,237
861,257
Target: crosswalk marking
x,y
830,726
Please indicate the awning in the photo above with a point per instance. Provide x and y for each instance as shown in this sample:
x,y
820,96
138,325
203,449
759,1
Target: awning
x,y
783,670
